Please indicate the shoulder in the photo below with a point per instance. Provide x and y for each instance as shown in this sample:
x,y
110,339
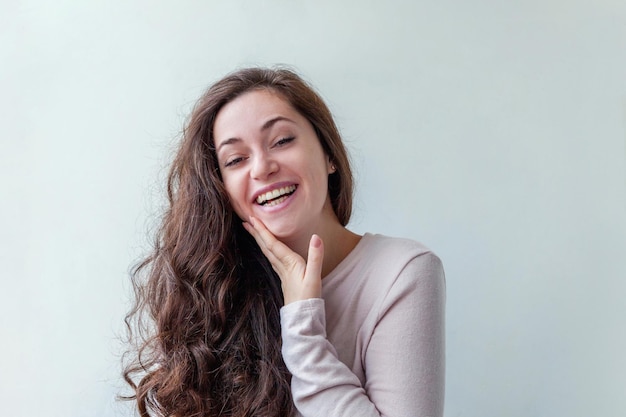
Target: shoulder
x,y
411,277
380,275
380,263
397,253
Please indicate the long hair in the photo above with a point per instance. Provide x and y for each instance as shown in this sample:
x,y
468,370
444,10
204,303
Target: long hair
x,y
205,326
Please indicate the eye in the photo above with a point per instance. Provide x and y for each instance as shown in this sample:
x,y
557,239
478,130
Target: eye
x,y
234,161
283,141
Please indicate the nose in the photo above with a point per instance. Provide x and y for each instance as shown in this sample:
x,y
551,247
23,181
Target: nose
x,y
263,166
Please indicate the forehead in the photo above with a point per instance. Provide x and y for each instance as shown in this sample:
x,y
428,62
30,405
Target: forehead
x,y
248,113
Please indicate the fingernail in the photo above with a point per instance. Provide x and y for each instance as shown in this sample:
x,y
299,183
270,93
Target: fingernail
x,y
316,241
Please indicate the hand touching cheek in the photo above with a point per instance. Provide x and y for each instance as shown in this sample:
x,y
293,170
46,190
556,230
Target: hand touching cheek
x,y
300,279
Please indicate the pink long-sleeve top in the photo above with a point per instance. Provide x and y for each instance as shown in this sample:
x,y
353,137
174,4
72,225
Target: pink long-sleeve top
x,y
374,344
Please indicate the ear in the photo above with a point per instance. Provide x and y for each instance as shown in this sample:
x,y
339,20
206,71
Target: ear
x,y
330,166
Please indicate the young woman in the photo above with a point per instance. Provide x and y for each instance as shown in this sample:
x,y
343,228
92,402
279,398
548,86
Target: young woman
x,y
257,301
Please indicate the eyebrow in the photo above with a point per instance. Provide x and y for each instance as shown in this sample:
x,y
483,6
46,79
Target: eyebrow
x,y
227,142
272,122
267,125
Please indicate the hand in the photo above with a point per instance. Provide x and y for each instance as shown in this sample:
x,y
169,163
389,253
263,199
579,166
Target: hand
x,y
300,279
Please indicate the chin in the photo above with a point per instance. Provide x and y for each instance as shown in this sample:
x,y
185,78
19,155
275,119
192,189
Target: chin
x,y
283,231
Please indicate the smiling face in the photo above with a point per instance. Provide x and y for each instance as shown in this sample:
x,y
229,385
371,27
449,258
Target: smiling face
x,y
273,165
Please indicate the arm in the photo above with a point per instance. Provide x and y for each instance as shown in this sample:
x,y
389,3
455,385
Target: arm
x,y
410,382
404,359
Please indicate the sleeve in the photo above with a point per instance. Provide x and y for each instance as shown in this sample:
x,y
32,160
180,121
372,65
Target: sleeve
x,y
404,359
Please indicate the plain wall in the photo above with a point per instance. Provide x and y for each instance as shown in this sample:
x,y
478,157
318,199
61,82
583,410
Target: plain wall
x,y
492,131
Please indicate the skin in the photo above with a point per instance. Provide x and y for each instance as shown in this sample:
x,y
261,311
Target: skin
x,y
262,144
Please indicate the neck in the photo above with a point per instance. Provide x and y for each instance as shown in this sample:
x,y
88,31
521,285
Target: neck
x,y
337,245
338,242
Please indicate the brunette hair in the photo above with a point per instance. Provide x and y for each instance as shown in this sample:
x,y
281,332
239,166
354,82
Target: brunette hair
x,y
205,325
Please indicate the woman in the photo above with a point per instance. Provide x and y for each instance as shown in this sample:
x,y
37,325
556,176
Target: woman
x,y
259,301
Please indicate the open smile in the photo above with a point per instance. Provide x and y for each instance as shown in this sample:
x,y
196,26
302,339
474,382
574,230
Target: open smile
x,y
276,196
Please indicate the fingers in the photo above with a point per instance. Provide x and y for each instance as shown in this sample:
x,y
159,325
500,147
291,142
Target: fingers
x,y
315,259
279,254
262,235
300,280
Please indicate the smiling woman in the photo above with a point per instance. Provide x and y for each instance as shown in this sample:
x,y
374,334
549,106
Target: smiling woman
x,y
275,170
257,300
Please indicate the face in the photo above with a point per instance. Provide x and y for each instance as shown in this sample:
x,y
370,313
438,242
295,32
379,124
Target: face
x,y
273,165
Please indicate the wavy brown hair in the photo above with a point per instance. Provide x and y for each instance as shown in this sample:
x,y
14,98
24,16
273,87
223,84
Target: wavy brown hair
x,y
205,326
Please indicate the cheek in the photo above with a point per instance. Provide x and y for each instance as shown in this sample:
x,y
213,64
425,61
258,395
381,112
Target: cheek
x,y
236,196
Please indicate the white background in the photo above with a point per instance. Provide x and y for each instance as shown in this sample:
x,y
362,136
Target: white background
x,y
492,131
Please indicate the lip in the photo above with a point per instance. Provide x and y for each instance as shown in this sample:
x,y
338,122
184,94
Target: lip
x,y
271,187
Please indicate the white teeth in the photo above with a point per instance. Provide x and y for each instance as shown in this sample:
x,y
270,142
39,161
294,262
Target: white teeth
x,y
275,202
271,195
